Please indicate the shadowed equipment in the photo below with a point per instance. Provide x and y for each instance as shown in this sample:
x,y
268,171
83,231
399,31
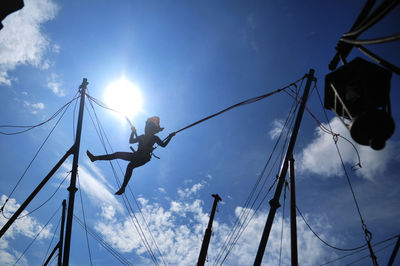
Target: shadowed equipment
x,y
359,94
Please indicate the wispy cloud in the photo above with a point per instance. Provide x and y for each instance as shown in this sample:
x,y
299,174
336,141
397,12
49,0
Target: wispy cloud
x,y
320,156
276,130
55,85
188,192
162,190
34,107
21,40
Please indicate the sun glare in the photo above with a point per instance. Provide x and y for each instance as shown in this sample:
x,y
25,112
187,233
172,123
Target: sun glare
x,y
124,97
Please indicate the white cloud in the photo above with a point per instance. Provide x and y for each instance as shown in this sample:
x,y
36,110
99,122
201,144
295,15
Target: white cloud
x,y
34,107
188,192
26,226
54,83
179,230
320,156
21,39
56,48
162,190
276,130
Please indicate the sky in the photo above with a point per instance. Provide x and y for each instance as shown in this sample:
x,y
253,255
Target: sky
x,y
188,60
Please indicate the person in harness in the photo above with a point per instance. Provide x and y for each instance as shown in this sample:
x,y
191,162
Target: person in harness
x,y
144,152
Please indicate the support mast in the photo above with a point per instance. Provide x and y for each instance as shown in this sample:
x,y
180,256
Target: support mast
x,y
293,222
72,188
207,234
274,203
60,242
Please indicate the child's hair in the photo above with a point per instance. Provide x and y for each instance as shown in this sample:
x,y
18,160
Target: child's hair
x,y
153,125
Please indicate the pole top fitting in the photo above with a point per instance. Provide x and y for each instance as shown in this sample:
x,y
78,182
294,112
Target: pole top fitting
x,y
217,197
84,84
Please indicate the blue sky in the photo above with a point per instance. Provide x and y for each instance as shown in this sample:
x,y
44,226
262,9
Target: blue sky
x,y
189,59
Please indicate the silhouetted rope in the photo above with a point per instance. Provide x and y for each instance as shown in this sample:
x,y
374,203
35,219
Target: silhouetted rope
x,y
242,221
84,221
335,136
283,220
132,215
103,243
37,125
51,242
37,235
36,154
368,256
323,241
248,101
367,233
360,250
41,205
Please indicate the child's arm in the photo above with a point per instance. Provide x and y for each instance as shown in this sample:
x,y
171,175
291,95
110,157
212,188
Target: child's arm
x,y
164,143
133,137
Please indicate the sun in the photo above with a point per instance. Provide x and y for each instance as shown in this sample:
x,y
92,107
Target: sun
x,y
123,96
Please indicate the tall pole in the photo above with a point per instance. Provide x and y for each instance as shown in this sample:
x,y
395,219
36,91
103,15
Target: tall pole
x,y
394,253
207,234
293,222
72,187
274,203
61,243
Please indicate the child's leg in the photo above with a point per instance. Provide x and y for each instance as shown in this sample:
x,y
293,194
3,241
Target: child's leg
x,y
127,177
127,156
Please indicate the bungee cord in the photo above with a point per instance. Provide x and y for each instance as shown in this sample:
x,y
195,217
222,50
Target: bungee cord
x,y
248,101
245,102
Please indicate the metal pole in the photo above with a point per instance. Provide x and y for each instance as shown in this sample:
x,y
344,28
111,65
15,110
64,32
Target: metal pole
x,y
394,253
61,242
34,193
274,203
51,254
72,188
207,234
293,222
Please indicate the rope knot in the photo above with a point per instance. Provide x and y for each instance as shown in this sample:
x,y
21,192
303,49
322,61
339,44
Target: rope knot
x,y
368,235
336,137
